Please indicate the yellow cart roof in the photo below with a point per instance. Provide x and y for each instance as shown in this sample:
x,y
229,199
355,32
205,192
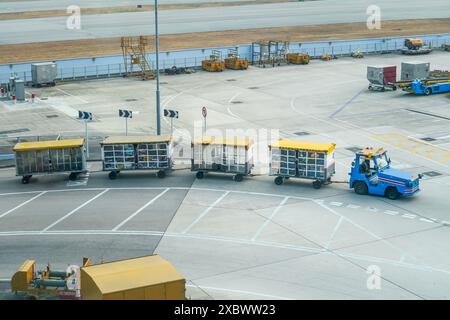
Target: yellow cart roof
x,y
53,144
134,273
304,145
237,142
136,139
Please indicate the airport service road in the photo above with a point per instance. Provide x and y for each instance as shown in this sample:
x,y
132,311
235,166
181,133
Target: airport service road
x,y
38,5
216,19
249,240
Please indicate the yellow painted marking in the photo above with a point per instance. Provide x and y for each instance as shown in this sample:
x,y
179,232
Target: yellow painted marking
x,y
416,146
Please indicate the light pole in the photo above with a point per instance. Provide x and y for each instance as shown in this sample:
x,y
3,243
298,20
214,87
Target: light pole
x,y
158,100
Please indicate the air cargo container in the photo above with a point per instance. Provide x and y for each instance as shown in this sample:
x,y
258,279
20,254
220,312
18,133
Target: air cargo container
x,y
382,77
415,70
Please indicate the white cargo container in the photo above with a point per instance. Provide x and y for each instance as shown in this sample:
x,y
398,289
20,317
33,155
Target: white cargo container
x,y
43,73
415,70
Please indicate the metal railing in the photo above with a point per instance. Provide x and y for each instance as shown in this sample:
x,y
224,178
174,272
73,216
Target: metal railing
x,y
337,48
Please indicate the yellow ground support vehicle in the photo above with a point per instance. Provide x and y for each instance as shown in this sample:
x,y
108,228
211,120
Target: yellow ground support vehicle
x,y
142,278
326,57
415,46
223,155
137,153
357,54
301,159
298,58
215,63
446,47
47,283
49,157
236,63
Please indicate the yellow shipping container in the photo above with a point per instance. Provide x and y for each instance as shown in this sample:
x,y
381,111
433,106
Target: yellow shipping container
x,y
143,278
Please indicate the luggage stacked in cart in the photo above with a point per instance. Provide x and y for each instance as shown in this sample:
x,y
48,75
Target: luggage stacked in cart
x,y
50,157
217,154
298,159
137,153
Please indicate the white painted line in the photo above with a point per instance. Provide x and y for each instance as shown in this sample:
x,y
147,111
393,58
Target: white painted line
x,y
172,188
75,210
353,206
240,291
390,212
426,220
71,95
204,213
140,209
232,114
229,240
447,223
82,181
361,227
409,216
80,232
258,232
234,97
338,224
336,204
22,204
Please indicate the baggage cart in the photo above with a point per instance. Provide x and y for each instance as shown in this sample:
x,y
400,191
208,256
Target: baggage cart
x,y
50,157
217,154
299,159
126,153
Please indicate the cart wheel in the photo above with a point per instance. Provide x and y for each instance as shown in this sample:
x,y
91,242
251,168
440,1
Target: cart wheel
x,y
317,184
26,179
370,87
161,174
200,175
382,89
278,181
394,88
73,176
112,175
238,178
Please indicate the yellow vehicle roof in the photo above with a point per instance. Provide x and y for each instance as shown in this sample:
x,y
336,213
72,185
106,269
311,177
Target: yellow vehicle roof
x,y
236,142
134,273
136,139
52,144
304,145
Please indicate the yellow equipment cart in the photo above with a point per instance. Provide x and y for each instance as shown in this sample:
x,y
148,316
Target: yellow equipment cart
x,y
49,157
137,153
298,58
217,154
300,159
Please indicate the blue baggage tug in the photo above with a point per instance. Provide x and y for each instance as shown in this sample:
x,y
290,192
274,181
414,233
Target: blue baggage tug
x,y
371,173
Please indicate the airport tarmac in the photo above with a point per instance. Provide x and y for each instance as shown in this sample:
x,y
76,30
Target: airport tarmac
x,y
254,239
